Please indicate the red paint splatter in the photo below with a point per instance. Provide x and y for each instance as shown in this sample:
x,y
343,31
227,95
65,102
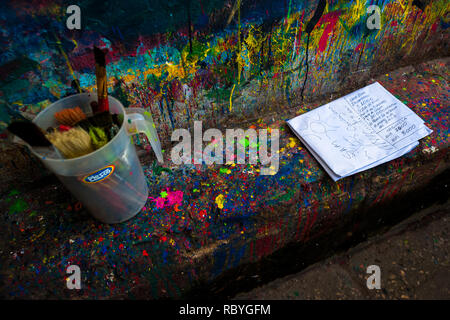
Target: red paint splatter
x,y
358,47
330,19
202,214
434,27
299,36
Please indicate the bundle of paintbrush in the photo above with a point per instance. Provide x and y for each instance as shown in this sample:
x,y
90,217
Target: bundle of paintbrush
x,y
79,134
75,117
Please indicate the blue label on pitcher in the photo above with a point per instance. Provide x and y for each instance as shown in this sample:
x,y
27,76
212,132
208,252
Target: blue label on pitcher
x,y
99,175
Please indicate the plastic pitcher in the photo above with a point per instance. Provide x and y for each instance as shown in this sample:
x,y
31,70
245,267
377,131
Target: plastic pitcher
x,y
110,181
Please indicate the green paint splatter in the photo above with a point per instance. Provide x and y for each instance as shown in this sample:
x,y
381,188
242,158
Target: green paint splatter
x,y
225,170
19,206
13,192
244,142
285,197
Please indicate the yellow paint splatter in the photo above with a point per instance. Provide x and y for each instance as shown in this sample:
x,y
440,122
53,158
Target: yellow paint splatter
x,y
231,97
219,201
291,142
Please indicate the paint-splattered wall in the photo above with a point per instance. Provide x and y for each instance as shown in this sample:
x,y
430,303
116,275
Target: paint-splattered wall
x,y
205,60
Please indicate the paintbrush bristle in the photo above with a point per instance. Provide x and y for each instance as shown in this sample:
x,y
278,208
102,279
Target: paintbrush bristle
x,y
30,133
70,117
84,124
102,119
117,119
98,137
73,143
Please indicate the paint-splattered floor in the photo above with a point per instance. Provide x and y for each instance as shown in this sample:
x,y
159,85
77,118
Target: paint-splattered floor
x,y
201,221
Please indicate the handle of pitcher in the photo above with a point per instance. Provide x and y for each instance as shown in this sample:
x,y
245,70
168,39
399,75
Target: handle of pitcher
x,y
141,121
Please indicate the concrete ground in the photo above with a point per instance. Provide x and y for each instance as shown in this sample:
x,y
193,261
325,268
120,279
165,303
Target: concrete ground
x,y
413,257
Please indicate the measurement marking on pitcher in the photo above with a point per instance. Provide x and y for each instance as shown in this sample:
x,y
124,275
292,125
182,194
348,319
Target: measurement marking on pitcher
x,y
99,175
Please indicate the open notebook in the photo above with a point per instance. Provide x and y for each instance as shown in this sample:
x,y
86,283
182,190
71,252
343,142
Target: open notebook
x,y
359,131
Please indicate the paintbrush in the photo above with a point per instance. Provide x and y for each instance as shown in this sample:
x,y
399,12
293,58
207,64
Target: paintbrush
x,y
72,143
102,87
29,132
70,117
34,137
101,112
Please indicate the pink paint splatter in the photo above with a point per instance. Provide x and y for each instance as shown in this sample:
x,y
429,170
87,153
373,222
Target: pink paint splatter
x,y
173,198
